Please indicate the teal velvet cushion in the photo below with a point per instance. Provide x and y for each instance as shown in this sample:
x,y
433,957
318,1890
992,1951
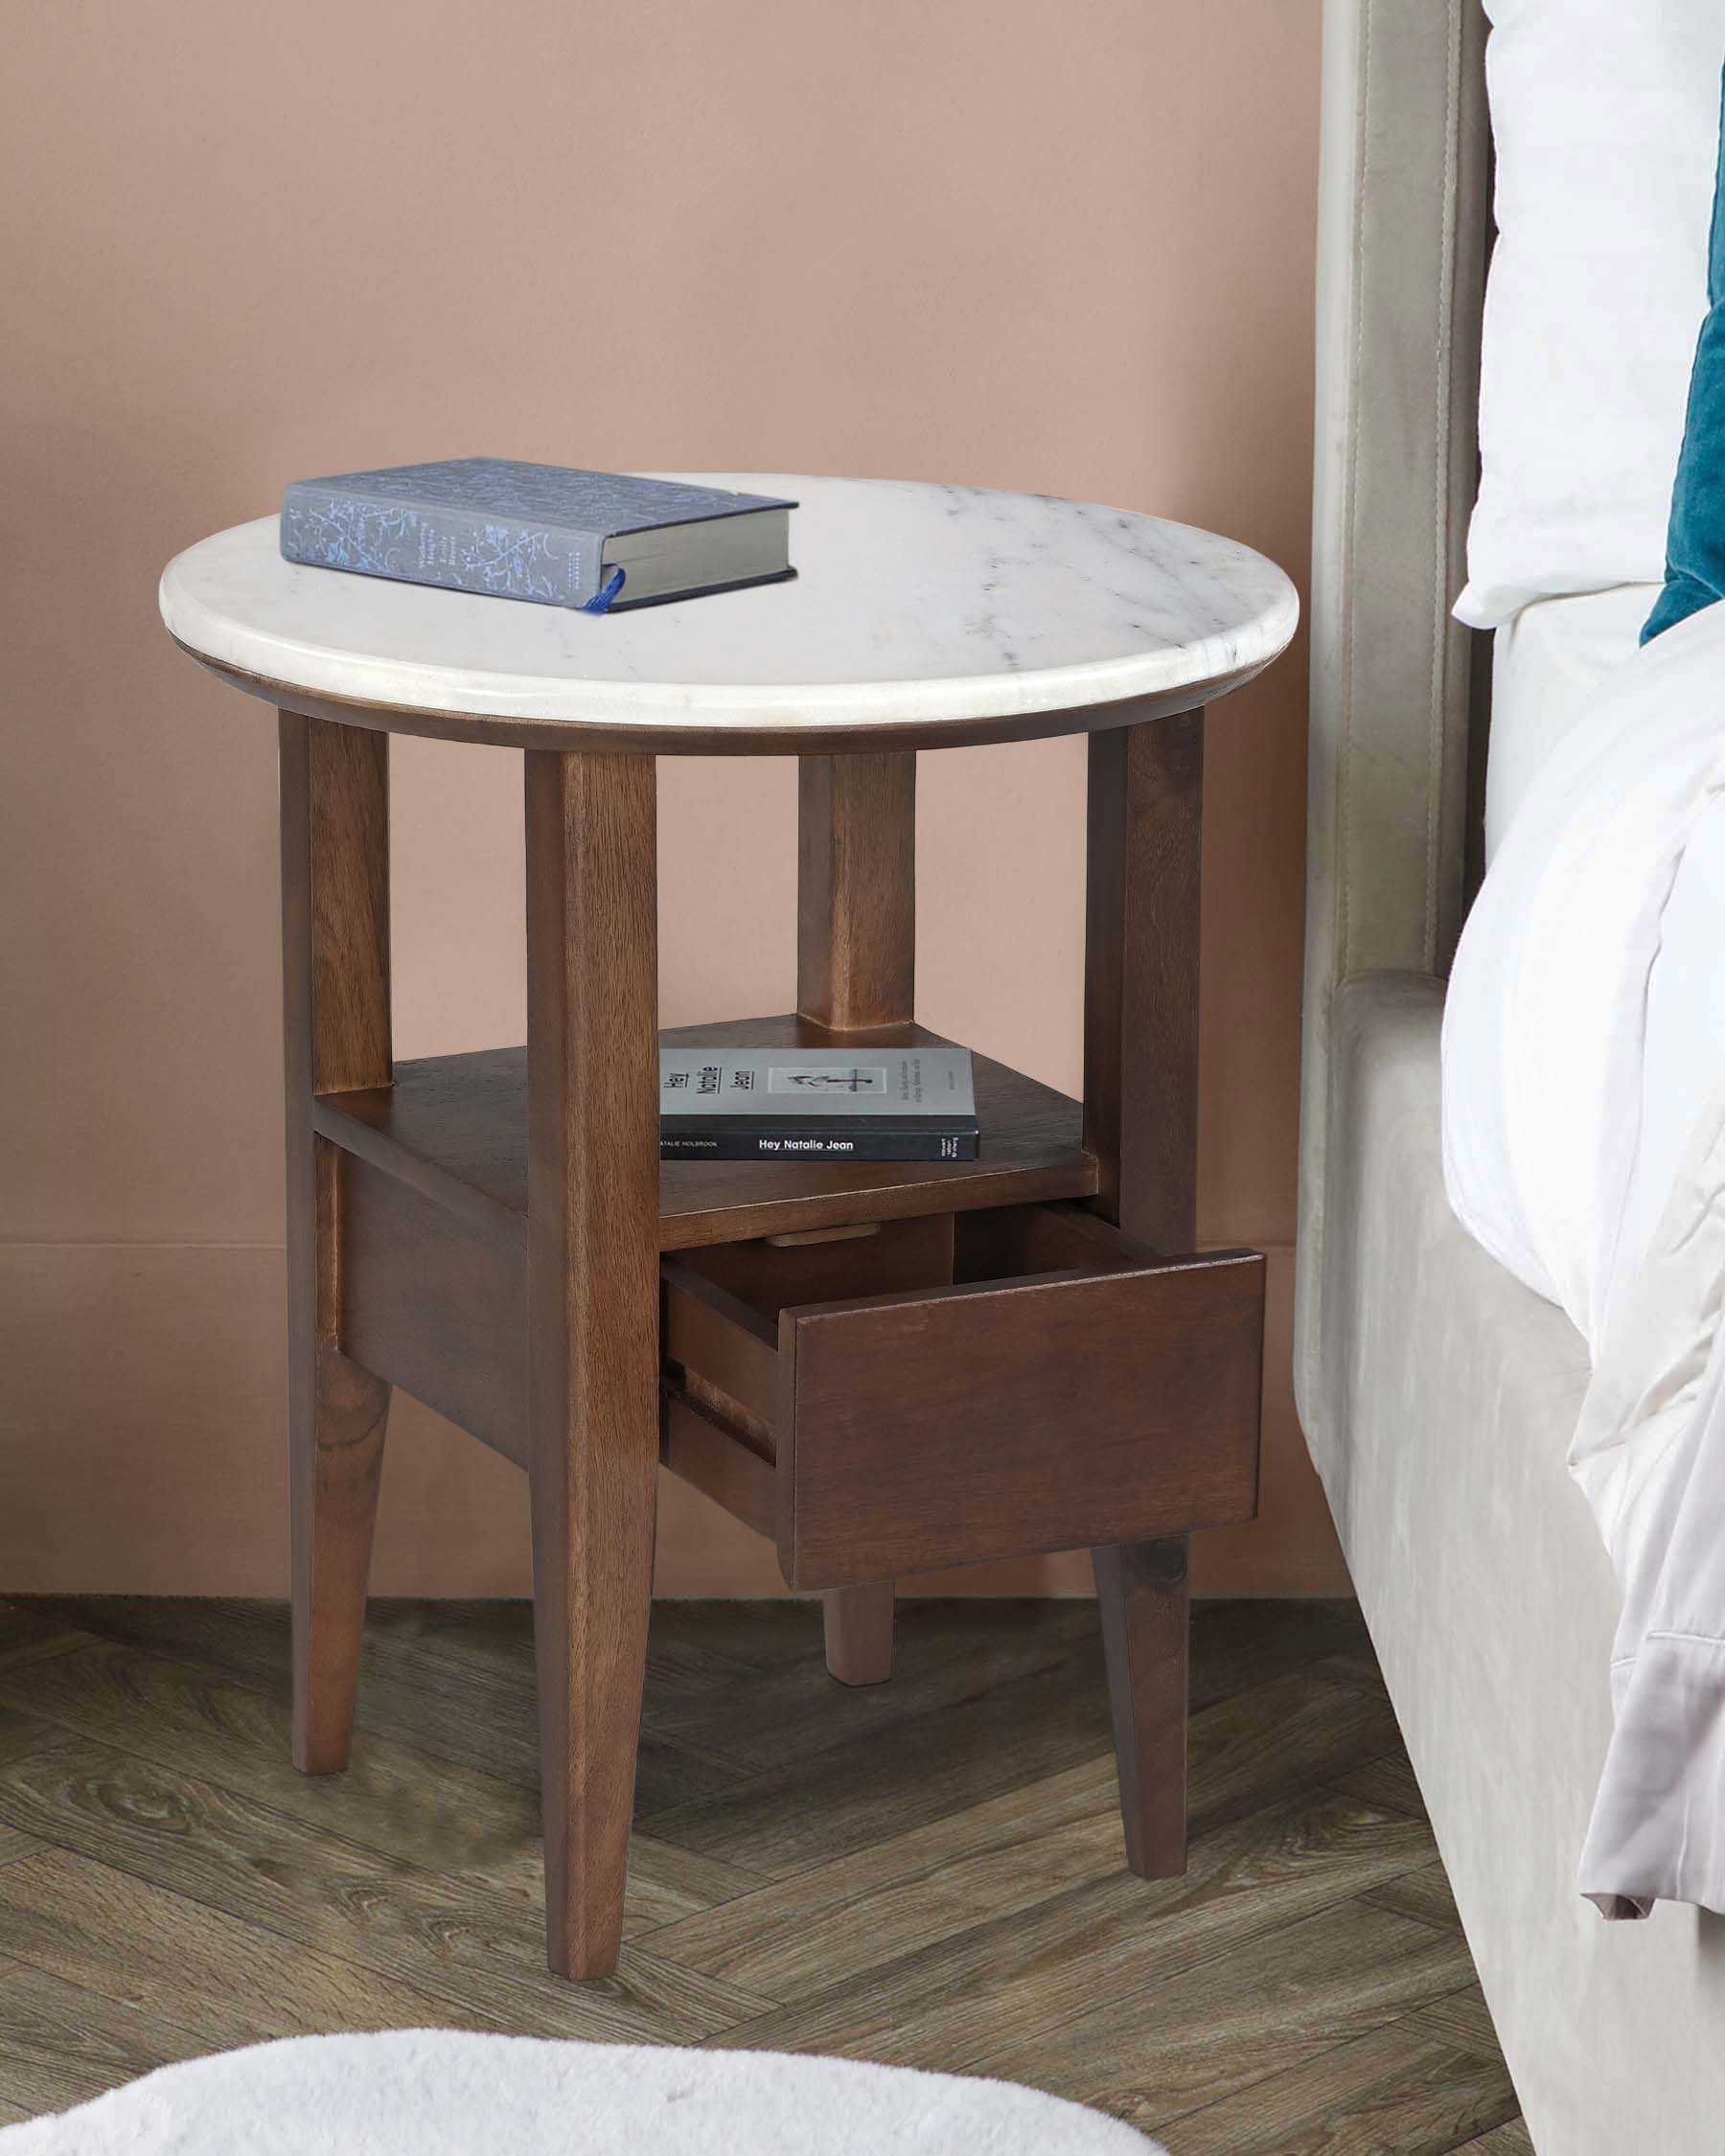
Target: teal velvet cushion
x,y
1695,546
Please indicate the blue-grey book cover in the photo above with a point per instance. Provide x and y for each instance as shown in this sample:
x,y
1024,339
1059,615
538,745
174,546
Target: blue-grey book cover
x,y
540,532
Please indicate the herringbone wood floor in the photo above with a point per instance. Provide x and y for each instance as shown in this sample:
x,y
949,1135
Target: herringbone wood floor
x,y
927,1873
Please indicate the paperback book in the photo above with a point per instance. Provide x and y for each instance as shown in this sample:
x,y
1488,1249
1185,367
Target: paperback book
x,y
817,1104
603,541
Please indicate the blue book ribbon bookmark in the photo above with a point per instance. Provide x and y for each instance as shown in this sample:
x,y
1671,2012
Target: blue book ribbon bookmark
x,y
601,600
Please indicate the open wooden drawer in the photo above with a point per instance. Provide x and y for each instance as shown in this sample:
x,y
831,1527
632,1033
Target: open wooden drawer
x,y
948,1390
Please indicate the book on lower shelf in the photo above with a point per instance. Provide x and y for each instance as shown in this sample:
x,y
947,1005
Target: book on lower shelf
x,y
817,1104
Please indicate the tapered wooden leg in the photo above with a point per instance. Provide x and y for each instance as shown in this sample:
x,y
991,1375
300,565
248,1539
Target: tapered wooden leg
x,y
856,969
593,1315
336,1009
1141,1119
859,1633
1141,1593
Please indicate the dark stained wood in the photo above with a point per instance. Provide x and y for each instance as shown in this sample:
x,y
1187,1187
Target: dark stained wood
x,y
769,1275
1025,1239
923,1430
804,1238
594,1309
335,801
435,1306
456,1128
944,1388
856,928
1141,1593
1143,846
667,737
856,971
949,1889
730,1350
713,1457
859,1632
1141,978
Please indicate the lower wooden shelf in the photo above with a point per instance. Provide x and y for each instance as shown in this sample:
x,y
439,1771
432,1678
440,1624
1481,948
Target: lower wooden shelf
x,y
455,1128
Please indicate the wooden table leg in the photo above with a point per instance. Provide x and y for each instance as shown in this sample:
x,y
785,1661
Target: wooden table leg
x,y
856,968
593,1317
1140,1118
335,1029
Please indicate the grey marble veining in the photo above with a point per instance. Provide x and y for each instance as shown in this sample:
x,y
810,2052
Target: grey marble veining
x,y
913,604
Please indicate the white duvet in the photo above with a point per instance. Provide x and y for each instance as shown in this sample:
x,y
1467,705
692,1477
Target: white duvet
x,y
1584,1145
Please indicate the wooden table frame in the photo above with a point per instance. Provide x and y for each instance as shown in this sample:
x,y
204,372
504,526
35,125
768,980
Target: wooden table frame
x,y
593,1229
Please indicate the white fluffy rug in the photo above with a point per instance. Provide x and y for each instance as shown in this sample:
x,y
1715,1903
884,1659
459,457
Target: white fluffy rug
x,y
428,2092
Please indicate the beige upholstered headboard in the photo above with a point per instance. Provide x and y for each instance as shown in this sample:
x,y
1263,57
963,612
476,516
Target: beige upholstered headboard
x,y
1403,221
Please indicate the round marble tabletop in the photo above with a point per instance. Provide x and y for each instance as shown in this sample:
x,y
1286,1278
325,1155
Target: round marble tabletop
x,y
920,616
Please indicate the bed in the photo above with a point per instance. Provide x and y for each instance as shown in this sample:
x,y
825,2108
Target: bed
x,y
1439,1396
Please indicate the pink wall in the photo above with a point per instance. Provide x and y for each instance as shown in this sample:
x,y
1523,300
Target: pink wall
x,y
1067,250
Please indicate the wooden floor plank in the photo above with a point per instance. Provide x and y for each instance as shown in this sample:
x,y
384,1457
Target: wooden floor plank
x,y
1354,1665
61,2044
927,1871
318,1890
1020,1731
976,1863
827,1925
27,1633
786,1714
1462,2019
955,2005
1424,1893
228,1982
1395,2092
1385,1780
1237,1644
1156,2050
22,1733
432,1812
439,1705
1512,2139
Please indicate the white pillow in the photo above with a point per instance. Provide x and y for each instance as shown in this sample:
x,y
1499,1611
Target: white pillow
x,y
1606,116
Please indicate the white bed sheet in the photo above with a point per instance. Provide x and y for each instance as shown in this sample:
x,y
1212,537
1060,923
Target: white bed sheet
x,y
1547,665
1584,1146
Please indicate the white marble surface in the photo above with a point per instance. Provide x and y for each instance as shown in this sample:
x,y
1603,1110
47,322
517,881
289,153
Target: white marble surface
x,y
913,604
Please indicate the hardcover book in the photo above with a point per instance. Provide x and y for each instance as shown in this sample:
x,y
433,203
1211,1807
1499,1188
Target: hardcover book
x,y
835,1103
600,540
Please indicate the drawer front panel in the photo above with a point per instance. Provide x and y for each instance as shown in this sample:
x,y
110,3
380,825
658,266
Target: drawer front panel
x,y
953,1427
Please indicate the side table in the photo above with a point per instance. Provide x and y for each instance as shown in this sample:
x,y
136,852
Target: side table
x,y
886,1366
